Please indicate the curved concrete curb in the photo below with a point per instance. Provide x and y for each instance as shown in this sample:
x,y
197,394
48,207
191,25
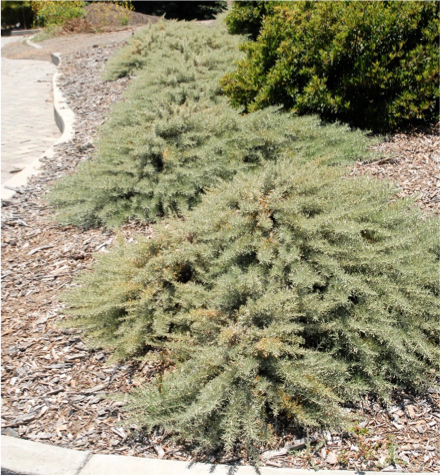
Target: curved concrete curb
x,y
64,116
31,43
27,457
64,119
19,32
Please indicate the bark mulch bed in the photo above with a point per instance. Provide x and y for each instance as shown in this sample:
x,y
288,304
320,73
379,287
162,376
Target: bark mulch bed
x,y
54,387
411,159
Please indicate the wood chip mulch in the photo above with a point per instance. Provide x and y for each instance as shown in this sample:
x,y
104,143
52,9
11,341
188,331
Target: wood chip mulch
x,y
411,160
54,387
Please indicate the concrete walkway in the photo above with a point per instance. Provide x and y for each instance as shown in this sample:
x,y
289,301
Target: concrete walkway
x,y
28,457
28,128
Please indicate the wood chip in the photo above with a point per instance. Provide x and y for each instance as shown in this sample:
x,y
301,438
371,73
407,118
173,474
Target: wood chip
x,y
41,248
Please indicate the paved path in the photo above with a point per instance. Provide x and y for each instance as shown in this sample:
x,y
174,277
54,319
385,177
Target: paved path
x,y
21,456
27,124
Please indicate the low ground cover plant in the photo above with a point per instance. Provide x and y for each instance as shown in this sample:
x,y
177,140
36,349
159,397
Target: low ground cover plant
x,y
370,64
275,288
285,293
175,134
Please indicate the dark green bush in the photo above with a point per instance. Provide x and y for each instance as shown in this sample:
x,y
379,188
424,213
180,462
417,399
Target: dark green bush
x,y
284,293
246,18
175,134
188,10
372,64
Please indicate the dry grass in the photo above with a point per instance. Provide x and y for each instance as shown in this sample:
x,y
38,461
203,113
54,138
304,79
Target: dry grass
x,y
109,15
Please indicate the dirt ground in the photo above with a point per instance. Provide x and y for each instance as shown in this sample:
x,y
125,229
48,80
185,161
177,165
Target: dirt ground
x,y
101,26
65,44
78,35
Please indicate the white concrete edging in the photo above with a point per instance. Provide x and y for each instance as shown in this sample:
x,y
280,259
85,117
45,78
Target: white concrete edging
x,y
31,43
28,457
64,118
21,32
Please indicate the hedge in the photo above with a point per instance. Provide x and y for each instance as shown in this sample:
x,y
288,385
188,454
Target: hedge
x,y
370,64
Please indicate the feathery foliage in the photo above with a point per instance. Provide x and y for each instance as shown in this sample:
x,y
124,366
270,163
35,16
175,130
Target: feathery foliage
x,y
285,292
175,134
370,64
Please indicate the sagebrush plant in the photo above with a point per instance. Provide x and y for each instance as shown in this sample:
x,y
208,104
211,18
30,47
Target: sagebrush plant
x,y
285,293
175,133
371,64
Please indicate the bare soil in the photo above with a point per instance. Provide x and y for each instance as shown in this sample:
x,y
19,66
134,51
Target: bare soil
x,y
66,44
108,15
103,25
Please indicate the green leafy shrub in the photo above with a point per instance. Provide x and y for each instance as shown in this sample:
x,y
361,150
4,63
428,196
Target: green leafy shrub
x,y
370,64
57,12
284,293
246,18
188,10
175,134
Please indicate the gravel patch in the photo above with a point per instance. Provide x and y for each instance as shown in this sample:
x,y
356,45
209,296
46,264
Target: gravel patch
x,y
54,386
